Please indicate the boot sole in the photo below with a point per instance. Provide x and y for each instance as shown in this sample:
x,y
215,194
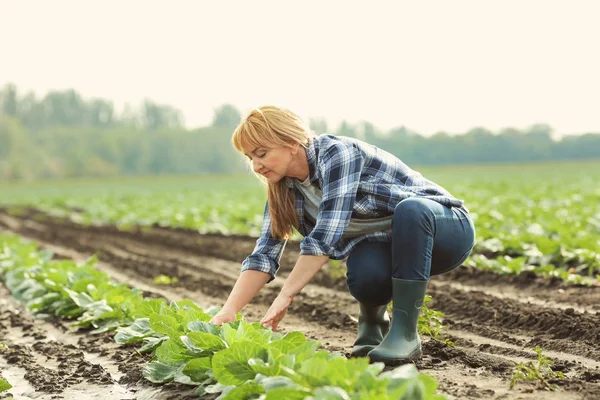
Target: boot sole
x,y
396,361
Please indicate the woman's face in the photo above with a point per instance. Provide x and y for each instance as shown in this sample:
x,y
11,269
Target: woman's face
x,y
271,162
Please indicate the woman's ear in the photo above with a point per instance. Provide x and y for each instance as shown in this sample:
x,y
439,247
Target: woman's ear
x,y
295,148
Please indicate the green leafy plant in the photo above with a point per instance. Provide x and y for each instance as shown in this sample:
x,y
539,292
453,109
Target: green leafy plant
x,y
538,371
238,359
165,279
430,321
337,269
4,385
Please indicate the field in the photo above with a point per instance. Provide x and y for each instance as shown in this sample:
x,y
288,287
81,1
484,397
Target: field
x,y
532,280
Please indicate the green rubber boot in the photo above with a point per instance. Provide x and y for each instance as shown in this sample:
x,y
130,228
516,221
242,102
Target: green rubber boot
x,y
373,324
402,343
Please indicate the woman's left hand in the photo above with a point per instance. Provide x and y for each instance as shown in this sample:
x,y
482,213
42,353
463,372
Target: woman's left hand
x,y
276,312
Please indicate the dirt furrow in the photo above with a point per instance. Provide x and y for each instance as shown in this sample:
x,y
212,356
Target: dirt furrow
x,y
45,358
440,361
492,328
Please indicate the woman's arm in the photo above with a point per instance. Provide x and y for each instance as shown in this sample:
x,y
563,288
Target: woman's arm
x,y
305,269
246,287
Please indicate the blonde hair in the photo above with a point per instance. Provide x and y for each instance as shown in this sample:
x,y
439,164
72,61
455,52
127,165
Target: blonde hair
x,y
271,126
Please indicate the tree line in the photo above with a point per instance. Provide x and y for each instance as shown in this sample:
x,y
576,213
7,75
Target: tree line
x,y
65,135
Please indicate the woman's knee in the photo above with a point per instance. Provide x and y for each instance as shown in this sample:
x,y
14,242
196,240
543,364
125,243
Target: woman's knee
x,y
414,211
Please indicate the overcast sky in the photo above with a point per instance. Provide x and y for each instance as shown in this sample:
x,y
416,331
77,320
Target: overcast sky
x,y
428,65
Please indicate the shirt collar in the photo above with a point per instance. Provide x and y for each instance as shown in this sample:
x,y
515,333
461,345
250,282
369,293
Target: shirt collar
x,y
311,156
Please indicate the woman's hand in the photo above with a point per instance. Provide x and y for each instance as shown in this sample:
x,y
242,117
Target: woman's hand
x,y
277,311
222,317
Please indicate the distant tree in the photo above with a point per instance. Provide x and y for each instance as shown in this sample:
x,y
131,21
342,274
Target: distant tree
x,y
62,134
345,129
157,116
365,131
8,100
65,108
129,117
7,136
102,113
32,112
226,116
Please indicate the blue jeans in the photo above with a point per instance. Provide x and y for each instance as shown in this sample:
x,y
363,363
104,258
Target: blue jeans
x,y
428,238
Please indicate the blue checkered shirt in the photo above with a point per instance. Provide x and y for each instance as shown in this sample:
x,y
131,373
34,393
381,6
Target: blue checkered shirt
x,y
358,180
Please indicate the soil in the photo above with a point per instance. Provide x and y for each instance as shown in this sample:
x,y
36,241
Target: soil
x,y
494,321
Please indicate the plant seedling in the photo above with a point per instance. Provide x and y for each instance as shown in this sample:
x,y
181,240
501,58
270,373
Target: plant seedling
x,y
539,371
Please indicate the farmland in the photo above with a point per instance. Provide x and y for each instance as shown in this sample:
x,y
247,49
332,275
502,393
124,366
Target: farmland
x,y
532,280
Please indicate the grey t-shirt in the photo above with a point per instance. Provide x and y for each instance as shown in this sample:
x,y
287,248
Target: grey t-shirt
x,y
312,198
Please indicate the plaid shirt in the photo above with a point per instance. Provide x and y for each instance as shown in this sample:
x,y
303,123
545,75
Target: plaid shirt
x,y
358,180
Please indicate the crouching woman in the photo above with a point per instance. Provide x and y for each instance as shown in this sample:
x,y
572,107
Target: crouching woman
x,y
350,200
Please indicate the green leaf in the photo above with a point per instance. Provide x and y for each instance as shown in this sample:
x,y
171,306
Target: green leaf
x,y
135,332
193,314
230,366
261,367
188,304
275,382
228,333
151,343
83,300
180,377
42,303
244,392
289,341
405,382
287,394
170,352
149,307
304,351
106,325
197,368
314,370
200,326
254,333
4,385
206,341
158,372
95,311
332,393
28,289
166,325
345,373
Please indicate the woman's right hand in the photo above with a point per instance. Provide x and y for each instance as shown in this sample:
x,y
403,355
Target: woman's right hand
x,y
223,316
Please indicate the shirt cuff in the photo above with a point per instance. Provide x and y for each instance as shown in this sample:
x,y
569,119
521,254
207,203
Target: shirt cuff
x,y
262,263
312,247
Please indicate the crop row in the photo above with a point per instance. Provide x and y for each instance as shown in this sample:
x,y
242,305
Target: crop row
x,y
239,360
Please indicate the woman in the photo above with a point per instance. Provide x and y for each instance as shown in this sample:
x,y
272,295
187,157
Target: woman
x,y
351,200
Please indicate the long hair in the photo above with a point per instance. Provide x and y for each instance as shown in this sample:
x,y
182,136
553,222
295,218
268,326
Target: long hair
x,y
271,126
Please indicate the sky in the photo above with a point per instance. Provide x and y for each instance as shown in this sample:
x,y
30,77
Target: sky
x,y
428,65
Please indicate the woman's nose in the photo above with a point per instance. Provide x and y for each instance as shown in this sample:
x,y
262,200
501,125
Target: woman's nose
x,y
256,166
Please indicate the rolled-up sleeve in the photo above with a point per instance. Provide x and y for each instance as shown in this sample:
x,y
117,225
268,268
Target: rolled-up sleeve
x,y
340,167
267,253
